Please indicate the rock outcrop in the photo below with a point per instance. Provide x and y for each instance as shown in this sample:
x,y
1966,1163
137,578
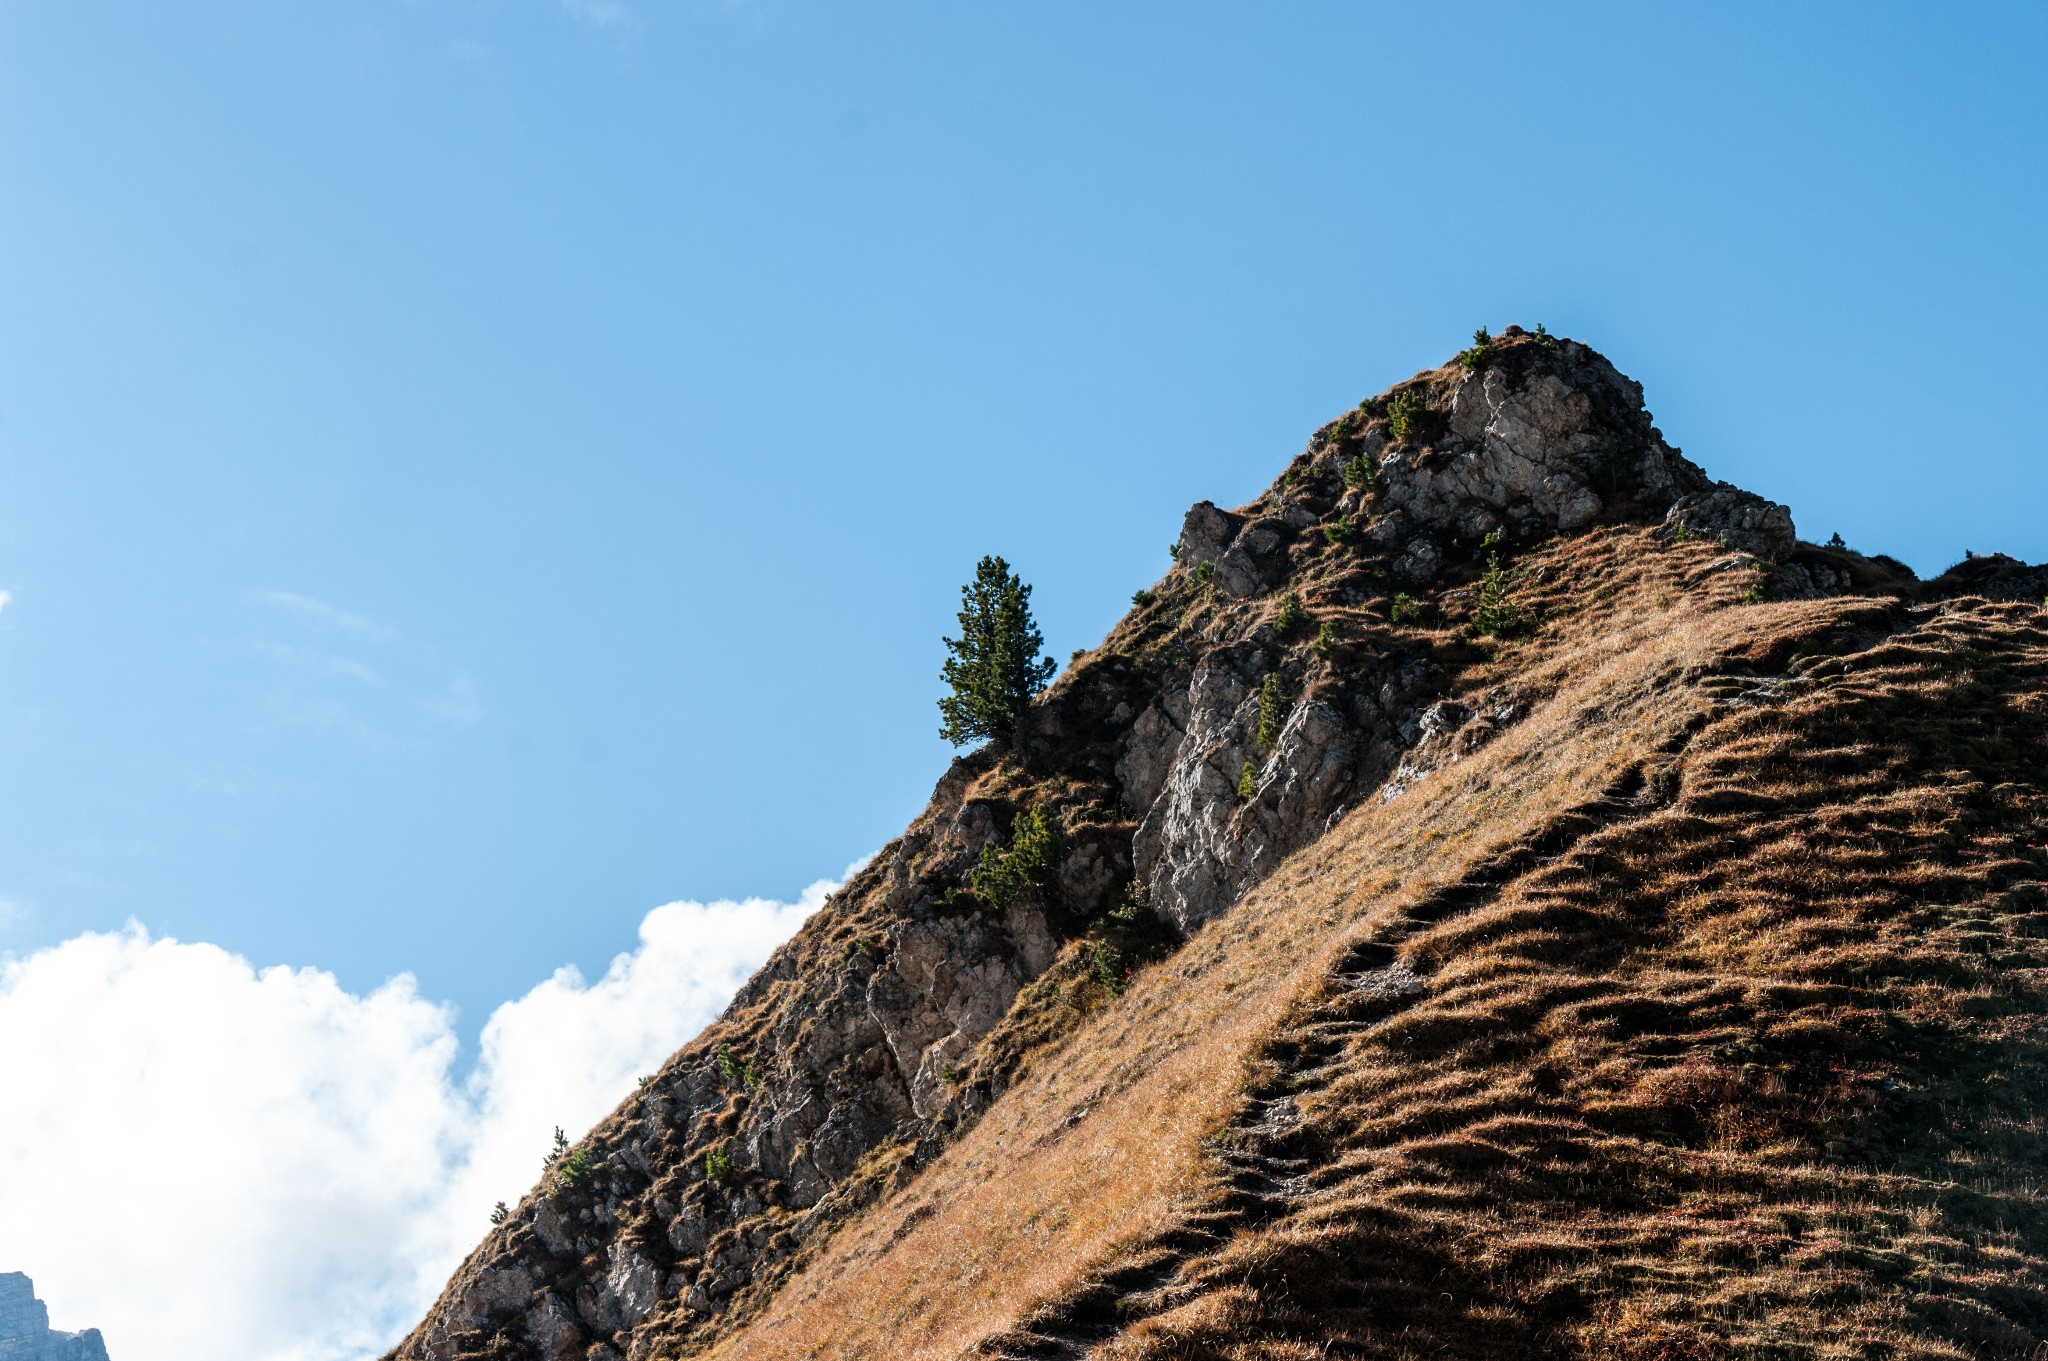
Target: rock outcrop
x,y
25,1332
1539,438
1317,648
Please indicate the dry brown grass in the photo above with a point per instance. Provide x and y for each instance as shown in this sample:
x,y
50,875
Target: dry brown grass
x,y
1641,1108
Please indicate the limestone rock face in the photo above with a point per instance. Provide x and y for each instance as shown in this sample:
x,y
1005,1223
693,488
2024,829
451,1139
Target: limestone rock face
x,y
25,1332
1201,845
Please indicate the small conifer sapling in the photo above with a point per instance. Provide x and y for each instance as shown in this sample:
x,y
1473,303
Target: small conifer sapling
x,y
1292,616
1271,713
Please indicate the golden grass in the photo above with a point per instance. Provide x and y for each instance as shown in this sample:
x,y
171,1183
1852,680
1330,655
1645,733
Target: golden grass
x,y
1480,1134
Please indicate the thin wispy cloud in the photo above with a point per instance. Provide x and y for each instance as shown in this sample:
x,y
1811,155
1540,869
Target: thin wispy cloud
x,y
325,669
312,659
600,12
13,912
325,615
6,599
457,704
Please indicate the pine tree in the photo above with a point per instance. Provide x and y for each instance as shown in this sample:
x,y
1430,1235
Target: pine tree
x,y
1270,714
994,669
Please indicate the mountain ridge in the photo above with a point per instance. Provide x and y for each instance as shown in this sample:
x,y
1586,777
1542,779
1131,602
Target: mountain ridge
x,y
1490,611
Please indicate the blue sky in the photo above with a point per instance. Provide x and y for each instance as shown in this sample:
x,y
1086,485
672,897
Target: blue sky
x,y
474,470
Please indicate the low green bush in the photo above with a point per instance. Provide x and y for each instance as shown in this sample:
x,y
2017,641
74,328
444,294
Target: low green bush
x,y
719,1165
1004,873
1480,354
1404,414
1135,906
1109,967
1362,471
1292,616
573,1171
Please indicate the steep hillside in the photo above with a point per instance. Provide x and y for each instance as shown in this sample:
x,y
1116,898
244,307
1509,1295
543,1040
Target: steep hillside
x,y
1509,897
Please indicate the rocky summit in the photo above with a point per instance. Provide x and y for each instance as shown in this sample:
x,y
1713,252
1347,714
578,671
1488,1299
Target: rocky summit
x,y
1501,893
25,1332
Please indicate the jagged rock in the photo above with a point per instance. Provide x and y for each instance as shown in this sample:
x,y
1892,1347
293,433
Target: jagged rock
x,y
1805,581
1200,846
1420,560
1205,533
25,1332
1739,518
1529,450
552,1328
1180,844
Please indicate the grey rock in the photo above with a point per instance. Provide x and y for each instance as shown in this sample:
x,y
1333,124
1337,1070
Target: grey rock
x,y
1205,533
1148,756
1741,519
1805,581
554,1231
552,1329
624,1295
25,1332
1238,576
1200,847
1420,560
1531,455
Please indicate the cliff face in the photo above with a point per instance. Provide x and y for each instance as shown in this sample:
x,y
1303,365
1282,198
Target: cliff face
x,y
25,1333
1485,912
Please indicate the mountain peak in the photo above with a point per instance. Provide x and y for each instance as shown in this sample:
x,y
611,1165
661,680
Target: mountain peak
x,y
25,1332
1462,908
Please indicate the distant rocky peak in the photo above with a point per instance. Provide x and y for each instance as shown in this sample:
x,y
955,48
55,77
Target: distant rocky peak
x,y
25,1332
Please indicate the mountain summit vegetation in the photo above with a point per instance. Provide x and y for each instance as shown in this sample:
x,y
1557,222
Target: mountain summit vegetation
x,y
1501,893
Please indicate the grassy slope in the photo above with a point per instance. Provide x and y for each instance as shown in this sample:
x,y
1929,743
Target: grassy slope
x,y
1729,1040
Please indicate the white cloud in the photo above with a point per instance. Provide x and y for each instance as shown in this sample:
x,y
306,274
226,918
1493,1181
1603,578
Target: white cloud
x,y
6,599
205,1159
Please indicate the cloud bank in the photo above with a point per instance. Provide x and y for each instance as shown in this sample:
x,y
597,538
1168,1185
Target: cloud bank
x,y
205,1159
